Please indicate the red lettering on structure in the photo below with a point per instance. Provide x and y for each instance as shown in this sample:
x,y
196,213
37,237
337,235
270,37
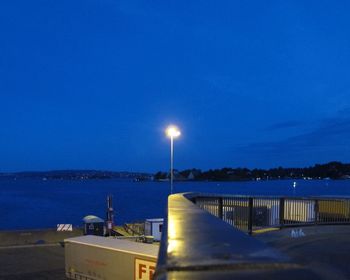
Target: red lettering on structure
x,y
151,272
142,269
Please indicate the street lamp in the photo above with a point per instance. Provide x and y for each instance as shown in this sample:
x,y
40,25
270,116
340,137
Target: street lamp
x,y
172,132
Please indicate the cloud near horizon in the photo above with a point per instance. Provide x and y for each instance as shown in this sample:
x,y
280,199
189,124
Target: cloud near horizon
x,y
284,125
329,141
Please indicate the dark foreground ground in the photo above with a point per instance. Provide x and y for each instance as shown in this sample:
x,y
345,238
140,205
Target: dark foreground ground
x,y
325,249
35,254
35,262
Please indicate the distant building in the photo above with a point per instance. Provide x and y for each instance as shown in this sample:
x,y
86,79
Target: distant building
x,y
193,175
93,225
153,227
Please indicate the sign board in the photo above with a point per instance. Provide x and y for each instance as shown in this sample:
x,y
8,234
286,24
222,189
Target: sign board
x,y
144,270
109,225
64,227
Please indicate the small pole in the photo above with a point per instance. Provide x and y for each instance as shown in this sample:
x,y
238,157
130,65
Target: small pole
x,y
110,215
220,212
316,207
250,217
281,212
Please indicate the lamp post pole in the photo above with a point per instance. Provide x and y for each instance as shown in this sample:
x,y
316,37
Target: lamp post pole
x,y
171,163
172,132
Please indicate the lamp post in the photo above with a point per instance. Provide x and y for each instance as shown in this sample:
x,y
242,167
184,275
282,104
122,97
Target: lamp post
x,y
172,132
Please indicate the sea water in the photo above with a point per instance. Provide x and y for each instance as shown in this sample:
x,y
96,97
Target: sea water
x,y
34,203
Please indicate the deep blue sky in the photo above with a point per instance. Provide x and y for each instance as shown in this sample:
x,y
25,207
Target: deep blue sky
x,y
93,83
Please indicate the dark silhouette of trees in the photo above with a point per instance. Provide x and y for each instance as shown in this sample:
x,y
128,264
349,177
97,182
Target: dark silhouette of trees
x,y
332,170
160,175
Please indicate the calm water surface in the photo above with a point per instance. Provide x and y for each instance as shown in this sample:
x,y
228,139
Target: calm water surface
x,y
33,203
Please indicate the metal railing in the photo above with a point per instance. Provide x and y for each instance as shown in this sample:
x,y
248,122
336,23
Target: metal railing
x,y
253,213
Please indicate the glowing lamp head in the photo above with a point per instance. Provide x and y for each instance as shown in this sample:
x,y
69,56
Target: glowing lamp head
x,y
173,132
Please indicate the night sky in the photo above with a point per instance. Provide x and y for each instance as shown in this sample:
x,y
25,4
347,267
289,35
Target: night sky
x,y
94,83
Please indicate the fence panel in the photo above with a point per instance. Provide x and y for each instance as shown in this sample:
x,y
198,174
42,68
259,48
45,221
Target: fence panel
x,y
266,212
210,204
333,211
253,213
299,211
236,212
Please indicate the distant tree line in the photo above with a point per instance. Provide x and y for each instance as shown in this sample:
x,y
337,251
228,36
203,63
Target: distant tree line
x,y
78,175
332,170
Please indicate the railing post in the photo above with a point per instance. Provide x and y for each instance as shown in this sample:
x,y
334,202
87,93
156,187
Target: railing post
x,y
281,212
316,208
194,200
220,212
250,215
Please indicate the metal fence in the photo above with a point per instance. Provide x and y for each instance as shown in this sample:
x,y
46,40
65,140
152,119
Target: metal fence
x,y
254,213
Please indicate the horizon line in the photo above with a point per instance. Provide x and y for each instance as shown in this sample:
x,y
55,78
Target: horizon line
x,y
124,171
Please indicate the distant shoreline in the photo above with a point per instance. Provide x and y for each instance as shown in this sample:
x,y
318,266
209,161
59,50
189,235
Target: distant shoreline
x,y
332,170
75,175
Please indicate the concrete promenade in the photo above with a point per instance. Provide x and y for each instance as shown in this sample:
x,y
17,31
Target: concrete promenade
x,y
33,254
32,262
36,236
324,249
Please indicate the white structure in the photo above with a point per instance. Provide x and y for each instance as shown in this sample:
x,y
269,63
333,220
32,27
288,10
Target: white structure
x,y
97,257
64,227
153,227
299,210
191,176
